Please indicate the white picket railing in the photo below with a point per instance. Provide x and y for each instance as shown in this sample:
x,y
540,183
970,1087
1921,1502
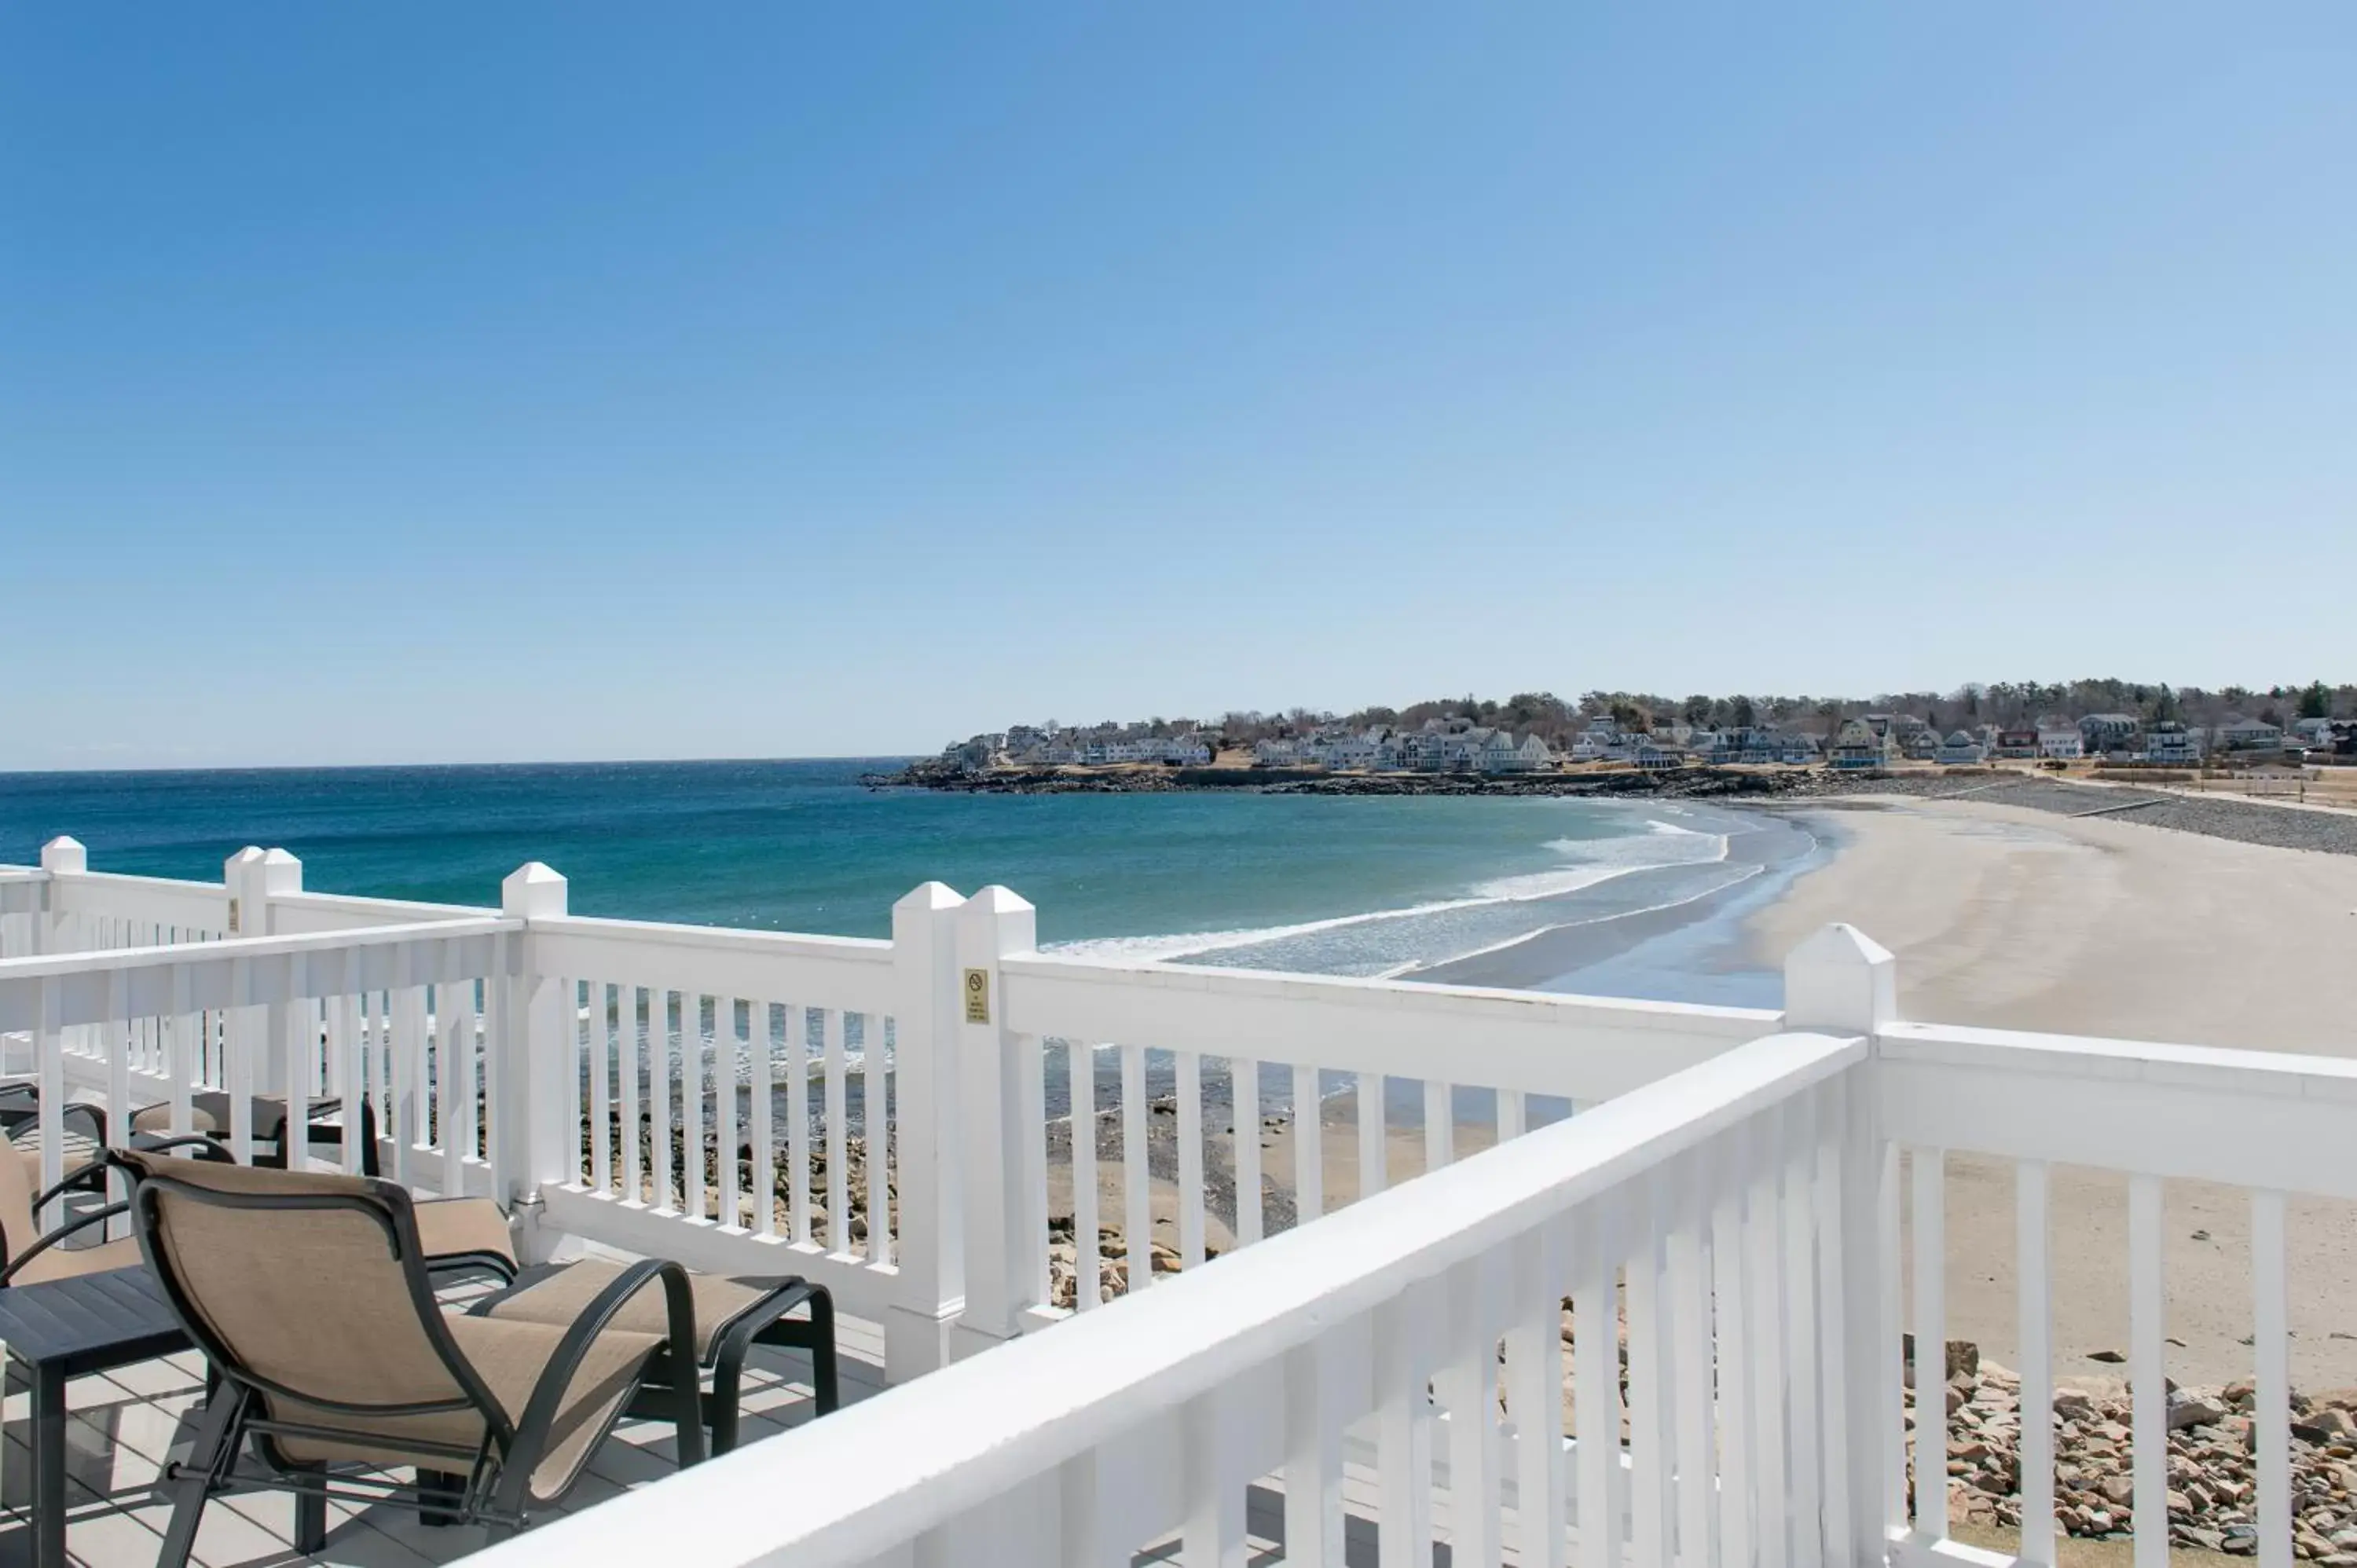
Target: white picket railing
x,y
400,1022
1733,1186
1714,1211
2277,1125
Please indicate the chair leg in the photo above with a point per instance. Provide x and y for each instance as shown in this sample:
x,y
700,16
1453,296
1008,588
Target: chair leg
x,y
727,1379
436,1487
195,1482
826,1389
311,1517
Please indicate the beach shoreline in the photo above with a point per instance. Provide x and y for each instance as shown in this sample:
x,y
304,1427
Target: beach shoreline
x,y
2007,918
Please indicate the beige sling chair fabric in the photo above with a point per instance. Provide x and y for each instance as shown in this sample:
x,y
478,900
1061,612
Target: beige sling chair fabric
x,y
309,1292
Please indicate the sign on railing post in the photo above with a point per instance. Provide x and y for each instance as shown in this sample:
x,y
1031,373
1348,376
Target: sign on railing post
x,y
1003,1142
1841,981
931,1290
529,1057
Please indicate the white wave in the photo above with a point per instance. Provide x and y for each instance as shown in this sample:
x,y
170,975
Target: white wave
x,y
1593,861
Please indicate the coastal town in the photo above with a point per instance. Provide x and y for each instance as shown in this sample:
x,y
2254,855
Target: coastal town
x,y
1460,741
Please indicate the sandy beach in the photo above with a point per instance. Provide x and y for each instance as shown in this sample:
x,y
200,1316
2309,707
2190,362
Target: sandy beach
x,y
2020,919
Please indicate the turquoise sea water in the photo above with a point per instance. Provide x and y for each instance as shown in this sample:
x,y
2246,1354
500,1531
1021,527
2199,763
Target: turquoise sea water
x,y
1343,884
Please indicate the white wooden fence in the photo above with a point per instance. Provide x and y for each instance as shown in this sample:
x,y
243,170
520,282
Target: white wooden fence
x,y
1730,1185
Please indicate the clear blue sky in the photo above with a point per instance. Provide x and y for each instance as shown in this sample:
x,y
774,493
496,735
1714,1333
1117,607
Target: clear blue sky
x,y
536,381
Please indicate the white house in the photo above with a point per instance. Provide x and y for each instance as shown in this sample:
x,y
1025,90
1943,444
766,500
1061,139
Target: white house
x,y
2108,732
2312,732
2249,735
2172,744
1959,749
1857,747
2062,740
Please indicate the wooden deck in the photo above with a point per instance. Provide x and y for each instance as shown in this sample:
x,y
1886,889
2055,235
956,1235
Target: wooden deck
x,y
125,1422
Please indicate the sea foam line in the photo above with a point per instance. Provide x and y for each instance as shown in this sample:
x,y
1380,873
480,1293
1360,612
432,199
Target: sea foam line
x,y
1521,888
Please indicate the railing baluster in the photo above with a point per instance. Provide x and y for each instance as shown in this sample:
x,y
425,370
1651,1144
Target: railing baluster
x,y
1929,1171
1835,1319
1595,1386
1535,1397
184,1048
1513,1114
2271,1361
659,1093
237,1023
1649,1517
1404,1418
1892,1401
798,1124
762,1064
1763,1269
1371,1153
354,1075
1081,1094
405,1021
1243,1107
1313,1458
453,1004
1029,1262
600,1064
2036,1409
1187,1074
838,1157
692,1179
1800,1306
2148,1394
1137,1194
632,1055
1690,1353
876,1126
1730,1292
723,1108
1214,1533
1308,1146
1439,1125
579,1032
1467,1386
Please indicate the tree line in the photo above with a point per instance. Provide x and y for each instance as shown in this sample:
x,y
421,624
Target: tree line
x,y
2005,703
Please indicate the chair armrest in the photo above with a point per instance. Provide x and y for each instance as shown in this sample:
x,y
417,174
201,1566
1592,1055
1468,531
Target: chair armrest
x,y
464,1232
548,1395
78,1223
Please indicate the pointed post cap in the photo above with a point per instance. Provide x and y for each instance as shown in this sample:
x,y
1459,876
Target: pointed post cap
x,y
250,855
1841,979
1006,919
926,897
532,891
281,872
64,854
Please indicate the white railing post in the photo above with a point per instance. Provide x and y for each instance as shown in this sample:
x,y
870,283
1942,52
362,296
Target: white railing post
x,y
61,856
530,1055
996,1123
250,879
931,1288
1841,982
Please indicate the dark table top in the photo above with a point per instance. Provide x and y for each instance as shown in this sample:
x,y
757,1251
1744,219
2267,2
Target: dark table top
x,y
90,1322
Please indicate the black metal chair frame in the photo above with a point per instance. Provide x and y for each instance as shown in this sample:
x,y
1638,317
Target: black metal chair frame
x,y
494,1488
764,1323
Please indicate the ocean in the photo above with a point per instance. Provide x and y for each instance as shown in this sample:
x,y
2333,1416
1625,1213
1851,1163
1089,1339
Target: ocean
x,y
1622,898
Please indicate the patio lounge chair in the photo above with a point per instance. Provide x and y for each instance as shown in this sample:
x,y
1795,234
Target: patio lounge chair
x,y
732,1315
27,1256
457,1233
308,1294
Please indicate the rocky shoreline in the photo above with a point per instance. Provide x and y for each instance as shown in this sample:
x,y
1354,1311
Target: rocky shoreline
x,y
2212,1494
2242,820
